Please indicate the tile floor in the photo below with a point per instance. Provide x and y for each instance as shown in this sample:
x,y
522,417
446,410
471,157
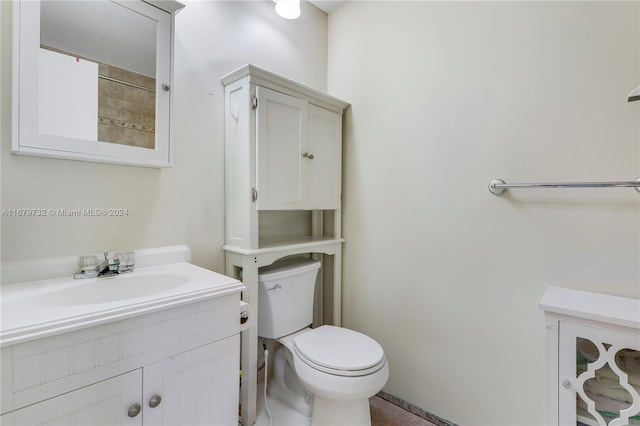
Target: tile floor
x,y
386,410
384,413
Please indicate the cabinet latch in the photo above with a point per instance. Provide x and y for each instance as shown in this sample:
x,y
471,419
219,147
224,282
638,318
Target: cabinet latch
x,y
254,195
254,102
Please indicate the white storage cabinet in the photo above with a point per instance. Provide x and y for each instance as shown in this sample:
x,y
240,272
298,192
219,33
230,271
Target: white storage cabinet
x,y
592,358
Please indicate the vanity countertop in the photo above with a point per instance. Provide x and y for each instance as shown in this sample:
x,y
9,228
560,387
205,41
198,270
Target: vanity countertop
x,y
36,309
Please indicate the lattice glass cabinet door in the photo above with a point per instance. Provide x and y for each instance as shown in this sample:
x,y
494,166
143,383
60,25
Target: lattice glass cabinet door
x,y
599,381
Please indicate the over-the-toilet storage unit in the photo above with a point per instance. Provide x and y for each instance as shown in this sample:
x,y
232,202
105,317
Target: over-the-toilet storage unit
x,y
283,179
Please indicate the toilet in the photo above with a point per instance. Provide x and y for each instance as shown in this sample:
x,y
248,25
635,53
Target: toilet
x,y
329,372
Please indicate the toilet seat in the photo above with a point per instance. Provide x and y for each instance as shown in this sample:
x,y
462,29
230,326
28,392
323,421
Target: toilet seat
x,y
339,351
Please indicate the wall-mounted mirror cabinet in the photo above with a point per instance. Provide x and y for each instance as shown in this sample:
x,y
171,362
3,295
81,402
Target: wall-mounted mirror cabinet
x,y
92,80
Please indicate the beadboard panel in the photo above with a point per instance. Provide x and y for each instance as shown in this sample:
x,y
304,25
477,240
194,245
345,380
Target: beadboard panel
x,y
41,369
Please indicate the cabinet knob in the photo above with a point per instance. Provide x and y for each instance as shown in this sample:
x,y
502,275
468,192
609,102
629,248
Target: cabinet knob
x,y
307,155
134,410
567,384
155,401
166,87
244,317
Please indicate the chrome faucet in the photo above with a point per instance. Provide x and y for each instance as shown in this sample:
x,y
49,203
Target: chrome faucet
x,y
109,266
117,264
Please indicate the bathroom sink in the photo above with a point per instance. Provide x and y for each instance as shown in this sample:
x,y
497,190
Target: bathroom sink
x,y
46,307
113,289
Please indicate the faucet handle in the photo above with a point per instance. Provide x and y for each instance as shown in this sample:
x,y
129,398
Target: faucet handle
x,y
87,263
126,261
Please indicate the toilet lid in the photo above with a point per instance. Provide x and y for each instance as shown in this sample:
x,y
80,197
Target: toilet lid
x,y
339,351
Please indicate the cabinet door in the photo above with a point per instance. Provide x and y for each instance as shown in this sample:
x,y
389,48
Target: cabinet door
x,y
323,165
599,376
281,133
199,387
103,403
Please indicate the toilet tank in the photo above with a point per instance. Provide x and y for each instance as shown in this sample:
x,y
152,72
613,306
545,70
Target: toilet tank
x,y
285,296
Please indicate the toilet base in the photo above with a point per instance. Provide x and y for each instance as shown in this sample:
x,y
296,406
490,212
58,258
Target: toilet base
x,y
286,389
335,413
328,399
285,386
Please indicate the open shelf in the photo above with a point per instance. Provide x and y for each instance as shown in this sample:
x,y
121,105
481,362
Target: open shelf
x,y
302,244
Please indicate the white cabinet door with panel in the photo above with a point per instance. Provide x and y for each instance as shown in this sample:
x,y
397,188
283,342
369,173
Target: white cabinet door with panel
x,y
111,402
199,387
281,128
323,164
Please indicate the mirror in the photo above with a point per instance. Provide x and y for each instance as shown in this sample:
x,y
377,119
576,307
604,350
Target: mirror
x,y
92,80
103,51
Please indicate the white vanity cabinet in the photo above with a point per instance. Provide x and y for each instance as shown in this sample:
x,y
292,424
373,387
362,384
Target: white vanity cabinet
x,y
170,362
192,388
283,178
592,358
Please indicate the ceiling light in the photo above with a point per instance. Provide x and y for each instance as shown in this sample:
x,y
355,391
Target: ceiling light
x,y
288,9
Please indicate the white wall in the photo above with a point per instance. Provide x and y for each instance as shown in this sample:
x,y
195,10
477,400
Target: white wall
x,y
179,205
445,97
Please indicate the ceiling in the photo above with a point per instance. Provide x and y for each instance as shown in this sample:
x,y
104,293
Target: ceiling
x,y
327,5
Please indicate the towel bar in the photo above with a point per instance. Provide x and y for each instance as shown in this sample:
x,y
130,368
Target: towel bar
x,y
498,186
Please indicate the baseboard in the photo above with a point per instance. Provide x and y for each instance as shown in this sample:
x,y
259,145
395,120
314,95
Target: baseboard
x,y
415,409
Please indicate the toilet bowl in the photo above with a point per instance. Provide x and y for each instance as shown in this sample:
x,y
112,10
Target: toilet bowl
x,y
340,368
